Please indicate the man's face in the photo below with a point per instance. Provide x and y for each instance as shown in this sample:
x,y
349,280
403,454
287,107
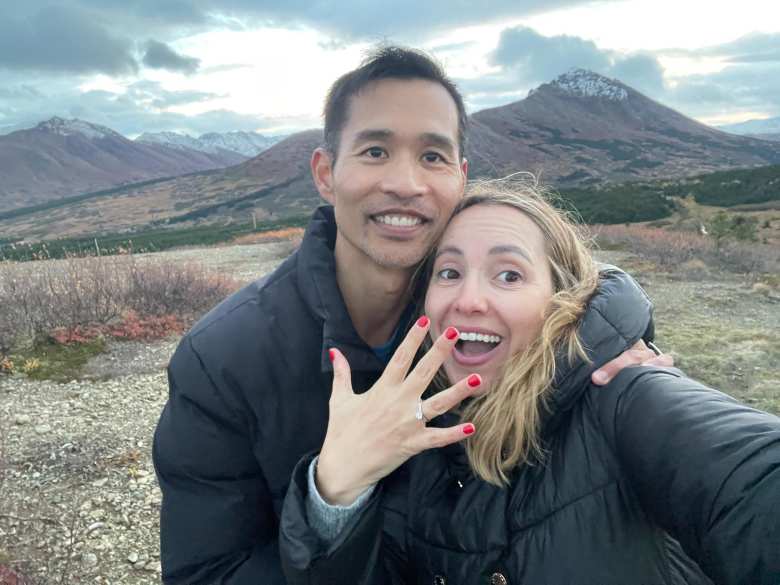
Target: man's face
x,y
398,173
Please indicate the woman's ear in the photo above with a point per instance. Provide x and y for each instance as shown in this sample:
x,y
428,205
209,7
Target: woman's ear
x,y
322,173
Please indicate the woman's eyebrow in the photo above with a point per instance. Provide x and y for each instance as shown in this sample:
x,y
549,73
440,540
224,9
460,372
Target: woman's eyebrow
x,y
509,249
448,250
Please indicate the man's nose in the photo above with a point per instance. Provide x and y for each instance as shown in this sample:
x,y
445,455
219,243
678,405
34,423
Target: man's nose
x,y
404,177
471,296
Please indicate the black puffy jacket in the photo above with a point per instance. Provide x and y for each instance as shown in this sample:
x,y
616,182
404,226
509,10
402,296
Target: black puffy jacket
x,y
640,478
249,390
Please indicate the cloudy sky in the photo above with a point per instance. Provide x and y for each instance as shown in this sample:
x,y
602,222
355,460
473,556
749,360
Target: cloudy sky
x,y
198,66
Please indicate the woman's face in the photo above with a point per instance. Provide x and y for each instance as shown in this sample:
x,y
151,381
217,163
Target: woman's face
x,y
492,281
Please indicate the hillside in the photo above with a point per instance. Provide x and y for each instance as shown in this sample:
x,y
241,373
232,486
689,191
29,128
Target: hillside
x,y
59,158
580,131
583,128
274,184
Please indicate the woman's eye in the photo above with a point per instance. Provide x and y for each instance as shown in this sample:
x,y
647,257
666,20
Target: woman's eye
x,y
510,276
447,274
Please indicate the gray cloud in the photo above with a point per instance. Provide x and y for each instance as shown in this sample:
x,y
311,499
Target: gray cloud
x,y
150,93
407,20
752,48
527,59
161,56
755,44
23,92
641,71
754,87
768,56
59,39
534,57
135,111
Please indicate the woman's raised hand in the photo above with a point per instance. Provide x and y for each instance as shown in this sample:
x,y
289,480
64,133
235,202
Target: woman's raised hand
x,y
371,434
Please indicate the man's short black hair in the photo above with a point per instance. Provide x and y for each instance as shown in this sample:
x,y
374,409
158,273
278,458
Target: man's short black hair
x,y
386,62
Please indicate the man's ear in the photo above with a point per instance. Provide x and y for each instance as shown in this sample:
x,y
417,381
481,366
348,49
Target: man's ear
x,y
322,174
464,168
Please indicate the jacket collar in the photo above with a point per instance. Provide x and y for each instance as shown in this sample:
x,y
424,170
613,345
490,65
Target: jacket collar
x,y
618,315
316,274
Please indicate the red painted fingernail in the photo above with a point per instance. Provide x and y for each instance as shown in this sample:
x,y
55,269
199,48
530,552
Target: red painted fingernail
x,y
468,429
423,321
451,333
474,380
332,354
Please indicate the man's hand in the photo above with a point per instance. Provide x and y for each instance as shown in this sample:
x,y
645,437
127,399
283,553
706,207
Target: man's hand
x,y
639,354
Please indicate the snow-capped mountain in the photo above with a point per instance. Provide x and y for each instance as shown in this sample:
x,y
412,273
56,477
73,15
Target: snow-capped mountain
x,y
582,127
584,83
247,144
63,127
61,157
171,139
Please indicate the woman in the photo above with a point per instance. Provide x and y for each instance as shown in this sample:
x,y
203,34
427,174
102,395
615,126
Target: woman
x,y
535,479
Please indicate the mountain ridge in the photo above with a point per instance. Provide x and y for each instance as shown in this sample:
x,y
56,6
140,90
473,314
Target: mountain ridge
x,y
580,129
247,144
60,157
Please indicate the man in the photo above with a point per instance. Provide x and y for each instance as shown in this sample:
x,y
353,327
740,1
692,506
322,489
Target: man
x,y
249,385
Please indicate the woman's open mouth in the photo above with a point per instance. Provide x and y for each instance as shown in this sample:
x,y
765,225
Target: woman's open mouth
x,y
474,349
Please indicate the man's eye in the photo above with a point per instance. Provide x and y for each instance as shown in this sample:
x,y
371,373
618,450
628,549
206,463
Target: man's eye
x,y
433,157
374,152
447,274
510,276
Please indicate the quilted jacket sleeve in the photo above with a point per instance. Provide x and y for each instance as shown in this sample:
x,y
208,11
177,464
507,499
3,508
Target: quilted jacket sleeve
x,y
362,554
705,467
216,523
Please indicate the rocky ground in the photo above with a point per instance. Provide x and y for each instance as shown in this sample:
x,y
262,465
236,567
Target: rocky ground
x,y
79,502
78,497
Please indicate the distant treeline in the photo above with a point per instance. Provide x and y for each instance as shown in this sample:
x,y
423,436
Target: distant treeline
x,y
606,204
139,242
730,188
627,203
647,201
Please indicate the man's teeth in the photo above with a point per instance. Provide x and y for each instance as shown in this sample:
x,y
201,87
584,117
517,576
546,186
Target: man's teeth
x,y
479,337
399,220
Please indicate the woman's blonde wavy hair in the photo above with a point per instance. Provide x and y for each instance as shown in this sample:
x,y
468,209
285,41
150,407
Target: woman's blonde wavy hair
x,y
508,417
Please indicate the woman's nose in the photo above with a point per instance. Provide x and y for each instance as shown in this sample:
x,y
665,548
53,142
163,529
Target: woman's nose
x,y
471,297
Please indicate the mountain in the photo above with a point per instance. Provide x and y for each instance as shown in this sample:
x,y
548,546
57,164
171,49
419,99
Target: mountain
x,y
766,128
584,128
274,184
61,157
247,144
580,129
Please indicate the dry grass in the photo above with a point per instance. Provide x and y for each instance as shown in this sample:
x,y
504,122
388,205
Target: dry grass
x,y
672,250
76,294
293,233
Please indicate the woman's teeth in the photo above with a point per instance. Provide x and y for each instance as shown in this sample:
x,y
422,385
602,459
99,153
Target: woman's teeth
x,y
398,220
480,337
